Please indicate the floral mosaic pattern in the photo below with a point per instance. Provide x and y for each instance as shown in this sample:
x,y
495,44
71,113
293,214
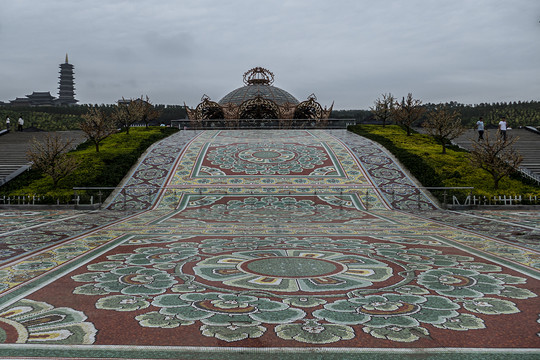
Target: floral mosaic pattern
x,y
235,289
399,190
310,260
276,209
496,223
304,161
143,185
36,322
267,159
25,232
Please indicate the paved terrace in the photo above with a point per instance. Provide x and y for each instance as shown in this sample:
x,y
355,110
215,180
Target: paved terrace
x,y
274,244
528,145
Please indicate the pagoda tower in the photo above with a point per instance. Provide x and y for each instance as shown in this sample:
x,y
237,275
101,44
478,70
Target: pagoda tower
x,y
66,85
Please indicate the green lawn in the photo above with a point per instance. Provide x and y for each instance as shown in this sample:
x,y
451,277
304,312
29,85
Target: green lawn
x,y
422,155
106,168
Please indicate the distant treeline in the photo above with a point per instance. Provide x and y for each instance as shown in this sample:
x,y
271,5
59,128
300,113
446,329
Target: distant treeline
x,y
54,118
58,118
521,113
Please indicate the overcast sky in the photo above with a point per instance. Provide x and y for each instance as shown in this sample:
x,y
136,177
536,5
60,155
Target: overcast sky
x,y
347,51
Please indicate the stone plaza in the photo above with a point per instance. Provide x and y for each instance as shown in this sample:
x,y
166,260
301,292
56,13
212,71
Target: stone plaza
x,y
285,244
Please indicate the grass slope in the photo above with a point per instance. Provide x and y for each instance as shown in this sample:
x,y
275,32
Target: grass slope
x,y
422,155
106,168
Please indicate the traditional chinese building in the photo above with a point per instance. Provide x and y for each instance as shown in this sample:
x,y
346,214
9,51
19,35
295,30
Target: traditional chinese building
x,y
258,102
66,85
66,93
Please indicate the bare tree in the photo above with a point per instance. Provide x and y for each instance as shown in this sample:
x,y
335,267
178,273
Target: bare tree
x,y
50,157
497,157
383,108
444,126
129,112
407,112
97,125
148,112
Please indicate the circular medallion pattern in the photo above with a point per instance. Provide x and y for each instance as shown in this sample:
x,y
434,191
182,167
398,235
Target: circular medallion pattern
x,y
291,267
266,155
291,270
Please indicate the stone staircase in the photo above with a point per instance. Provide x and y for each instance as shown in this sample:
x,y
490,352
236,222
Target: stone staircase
x,y
528,146
13,148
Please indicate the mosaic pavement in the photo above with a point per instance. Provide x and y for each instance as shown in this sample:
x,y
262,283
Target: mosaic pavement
x,y
296,244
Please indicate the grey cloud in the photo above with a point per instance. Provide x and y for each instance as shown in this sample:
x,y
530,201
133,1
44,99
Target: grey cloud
x,y
349,51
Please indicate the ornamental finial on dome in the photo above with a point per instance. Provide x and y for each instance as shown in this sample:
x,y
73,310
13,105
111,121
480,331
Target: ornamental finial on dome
x,y
258,75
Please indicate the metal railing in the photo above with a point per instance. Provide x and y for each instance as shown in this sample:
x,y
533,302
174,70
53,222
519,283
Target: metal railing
x,y
261,124
416,198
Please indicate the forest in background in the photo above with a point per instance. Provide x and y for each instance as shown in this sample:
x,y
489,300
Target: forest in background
x,y
59,118
521,113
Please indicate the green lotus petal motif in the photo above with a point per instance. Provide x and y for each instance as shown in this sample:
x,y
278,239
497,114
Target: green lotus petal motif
x,y
88,277
187,288
399,321
164,266
509,279
132,280
382,311
420,256
305,302
516,293
397,333
233,332
341,317
462,283
412,289
118,257
280,316
34,265
155,255
104,266
226,309
156,320
122,303
90,289
490,306
480,267
313,332
41,323
463,322
186,313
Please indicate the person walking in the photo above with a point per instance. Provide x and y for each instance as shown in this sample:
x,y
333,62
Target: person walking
x,y
502,128
8,124
480,128
21,123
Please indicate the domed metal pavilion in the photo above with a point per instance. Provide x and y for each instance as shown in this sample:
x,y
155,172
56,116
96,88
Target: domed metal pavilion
x,y
258,99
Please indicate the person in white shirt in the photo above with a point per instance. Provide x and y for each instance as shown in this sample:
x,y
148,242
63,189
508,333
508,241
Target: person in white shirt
x,y
480,128
8,124
502,128
21,123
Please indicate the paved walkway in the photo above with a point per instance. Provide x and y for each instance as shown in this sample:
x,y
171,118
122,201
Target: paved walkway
x,y
528,145
14,146
280,244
